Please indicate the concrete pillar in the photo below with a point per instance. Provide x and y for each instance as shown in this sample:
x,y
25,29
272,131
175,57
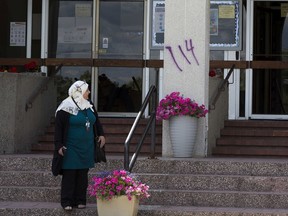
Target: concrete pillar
x,y
186,60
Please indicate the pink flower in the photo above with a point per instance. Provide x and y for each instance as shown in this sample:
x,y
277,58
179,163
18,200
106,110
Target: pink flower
x,y
114,180
117,183
174,105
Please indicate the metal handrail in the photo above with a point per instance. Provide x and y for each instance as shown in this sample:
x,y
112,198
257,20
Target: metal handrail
x,y
42,87
128,165
220,88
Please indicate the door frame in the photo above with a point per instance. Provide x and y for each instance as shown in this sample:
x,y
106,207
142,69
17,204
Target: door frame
x,y
44,31
249,72
95,48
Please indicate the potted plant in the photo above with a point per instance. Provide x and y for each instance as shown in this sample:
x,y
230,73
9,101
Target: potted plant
x,y
183,114
31,67
117,193
175,104
8,69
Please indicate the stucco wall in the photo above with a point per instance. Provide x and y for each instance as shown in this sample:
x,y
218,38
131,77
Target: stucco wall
x,y
19,128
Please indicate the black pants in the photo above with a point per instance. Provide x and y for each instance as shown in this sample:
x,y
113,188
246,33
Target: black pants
x,y
74,187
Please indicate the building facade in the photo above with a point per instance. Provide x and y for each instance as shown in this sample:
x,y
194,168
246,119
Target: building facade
x,y
118,46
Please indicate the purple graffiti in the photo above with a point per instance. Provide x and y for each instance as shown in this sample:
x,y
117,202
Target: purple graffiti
x,y
189,47
172,55
180,48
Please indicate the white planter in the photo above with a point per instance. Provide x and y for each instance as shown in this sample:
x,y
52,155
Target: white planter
x,y
183,132
119,206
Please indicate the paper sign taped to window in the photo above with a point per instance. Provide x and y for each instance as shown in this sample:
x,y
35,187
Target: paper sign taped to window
x,y
226,11
17,33
284,9
83,10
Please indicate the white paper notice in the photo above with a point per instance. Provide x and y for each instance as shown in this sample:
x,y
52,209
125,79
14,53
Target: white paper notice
x,y
105,43
17,33
75,30
83,10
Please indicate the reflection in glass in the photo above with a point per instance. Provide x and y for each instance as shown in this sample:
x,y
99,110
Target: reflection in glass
x,y
121,29
242,93
12,11
70,36
120,37
270,86
119,93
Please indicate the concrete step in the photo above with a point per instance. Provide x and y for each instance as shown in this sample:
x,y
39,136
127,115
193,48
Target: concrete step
x,y
251,151
161,181
258,132
163,197
215,166
116,130
252,141
256,123
253,138
213,186
110,148
52,209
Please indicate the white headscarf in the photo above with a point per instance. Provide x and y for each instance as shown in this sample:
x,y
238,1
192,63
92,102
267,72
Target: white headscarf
x,y
76,92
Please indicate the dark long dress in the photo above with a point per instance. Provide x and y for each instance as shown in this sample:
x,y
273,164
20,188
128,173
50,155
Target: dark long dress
x,y
80,142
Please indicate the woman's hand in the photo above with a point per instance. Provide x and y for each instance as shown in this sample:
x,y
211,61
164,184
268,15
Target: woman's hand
x,y
62,150
102,141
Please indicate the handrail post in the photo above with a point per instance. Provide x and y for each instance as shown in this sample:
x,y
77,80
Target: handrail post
x,y
126,156
153,126
127,164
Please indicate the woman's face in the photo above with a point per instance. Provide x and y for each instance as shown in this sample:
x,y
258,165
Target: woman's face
x,y
86,94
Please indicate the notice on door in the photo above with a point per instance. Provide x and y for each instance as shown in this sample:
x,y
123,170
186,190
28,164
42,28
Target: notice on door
x,y
284,9
225,25
83,10
76,30
226,11
158,24
17,33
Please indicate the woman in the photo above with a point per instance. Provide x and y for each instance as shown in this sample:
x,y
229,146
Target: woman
x,y
76,126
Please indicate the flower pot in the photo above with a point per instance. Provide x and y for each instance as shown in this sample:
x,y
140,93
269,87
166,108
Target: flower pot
x,y
120,206
183,132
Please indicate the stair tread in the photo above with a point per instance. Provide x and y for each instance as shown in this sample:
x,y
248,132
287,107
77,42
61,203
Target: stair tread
x,y
251,151
256,123
251,184
116,132
240,138
163,190
177,175
162,208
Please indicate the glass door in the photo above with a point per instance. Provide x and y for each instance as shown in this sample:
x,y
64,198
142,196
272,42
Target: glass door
x,y
269,87
100,29
70,36
121,33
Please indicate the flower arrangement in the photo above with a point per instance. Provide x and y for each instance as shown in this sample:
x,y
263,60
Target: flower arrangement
x,y
8,69
212,73
31,67
117,183
175,104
